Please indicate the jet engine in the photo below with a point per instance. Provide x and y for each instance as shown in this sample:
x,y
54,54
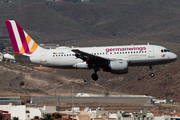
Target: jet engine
x,y
118,66
83,65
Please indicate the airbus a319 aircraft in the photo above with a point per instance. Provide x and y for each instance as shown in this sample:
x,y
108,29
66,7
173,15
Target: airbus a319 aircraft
x,y
114,59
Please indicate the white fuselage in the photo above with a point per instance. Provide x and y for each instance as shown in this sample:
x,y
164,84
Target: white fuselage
x,y
136,55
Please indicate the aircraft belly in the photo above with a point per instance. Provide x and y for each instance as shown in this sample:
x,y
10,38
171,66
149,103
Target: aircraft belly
x,y
71,62
57,62
63,62
149,62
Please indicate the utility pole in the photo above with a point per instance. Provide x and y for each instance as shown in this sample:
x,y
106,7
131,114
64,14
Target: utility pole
x,y
55,92
72,101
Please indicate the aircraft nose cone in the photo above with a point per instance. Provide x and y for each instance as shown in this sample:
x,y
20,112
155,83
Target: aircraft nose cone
x,y
174,56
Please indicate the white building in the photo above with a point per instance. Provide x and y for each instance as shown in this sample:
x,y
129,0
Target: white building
x,y
83,95
117,115
32,112
85,0
26,113
1,56
15,111
88,111
159,101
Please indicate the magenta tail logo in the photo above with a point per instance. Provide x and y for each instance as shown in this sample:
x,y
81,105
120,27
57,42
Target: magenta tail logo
x,y
21,41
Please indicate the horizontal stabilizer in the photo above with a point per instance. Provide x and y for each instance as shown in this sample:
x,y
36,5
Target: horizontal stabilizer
x,y
18,55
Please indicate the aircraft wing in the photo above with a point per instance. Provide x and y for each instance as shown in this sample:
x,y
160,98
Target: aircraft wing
x,y
85,55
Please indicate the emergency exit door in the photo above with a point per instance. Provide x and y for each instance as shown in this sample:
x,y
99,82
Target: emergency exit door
x,y
151,52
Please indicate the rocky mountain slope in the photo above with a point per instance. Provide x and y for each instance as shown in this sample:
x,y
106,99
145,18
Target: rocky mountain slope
x,y
114,22
35,80
96,24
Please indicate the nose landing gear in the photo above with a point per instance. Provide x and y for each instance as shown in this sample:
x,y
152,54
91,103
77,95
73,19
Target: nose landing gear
x,y
152,74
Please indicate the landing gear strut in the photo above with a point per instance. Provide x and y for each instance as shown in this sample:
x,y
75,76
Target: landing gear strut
x,y
94,75
152,74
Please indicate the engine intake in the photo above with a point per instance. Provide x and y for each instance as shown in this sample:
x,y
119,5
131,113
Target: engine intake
x,y
118,66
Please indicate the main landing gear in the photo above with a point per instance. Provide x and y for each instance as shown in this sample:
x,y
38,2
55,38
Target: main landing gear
x,y
94,75
152,74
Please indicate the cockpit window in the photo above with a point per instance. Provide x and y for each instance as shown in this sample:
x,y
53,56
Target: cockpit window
x,y
165,50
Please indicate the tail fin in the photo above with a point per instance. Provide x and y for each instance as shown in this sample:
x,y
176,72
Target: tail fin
x,y
22,43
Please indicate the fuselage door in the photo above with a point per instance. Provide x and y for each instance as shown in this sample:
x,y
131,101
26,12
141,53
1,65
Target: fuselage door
x,y
151,52
43,56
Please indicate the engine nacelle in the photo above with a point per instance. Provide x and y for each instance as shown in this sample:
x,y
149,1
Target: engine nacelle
x,y
83,65
119,66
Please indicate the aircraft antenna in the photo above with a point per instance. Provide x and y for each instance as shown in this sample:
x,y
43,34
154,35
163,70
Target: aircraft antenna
x,y
132,43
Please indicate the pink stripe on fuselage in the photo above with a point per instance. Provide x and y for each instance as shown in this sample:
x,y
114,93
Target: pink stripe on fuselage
x,y
12,37
23,39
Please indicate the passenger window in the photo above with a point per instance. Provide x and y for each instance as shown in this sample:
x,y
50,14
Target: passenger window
x,y
126,52
145,51
53,55
142,51
61,55
123,52
64,55
110,53
114,52
139,51
136,51
117,52
56,55
97,53
94,53
69,54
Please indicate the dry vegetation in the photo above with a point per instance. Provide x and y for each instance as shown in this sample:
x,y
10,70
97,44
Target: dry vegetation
x,y
114,22
35,80
39,81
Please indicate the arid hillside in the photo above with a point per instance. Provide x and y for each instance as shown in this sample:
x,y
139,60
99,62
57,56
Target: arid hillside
x,y
34,80
113,22
110,22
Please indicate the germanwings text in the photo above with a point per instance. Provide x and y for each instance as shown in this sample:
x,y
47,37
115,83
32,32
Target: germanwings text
x,y
125,49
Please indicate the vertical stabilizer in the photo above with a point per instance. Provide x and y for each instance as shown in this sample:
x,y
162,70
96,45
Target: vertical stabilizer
x,y
22,43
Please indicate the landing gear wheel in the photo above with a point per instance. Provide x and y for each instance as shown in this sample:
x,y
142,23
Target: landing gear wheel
x,y
94,76
152,74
